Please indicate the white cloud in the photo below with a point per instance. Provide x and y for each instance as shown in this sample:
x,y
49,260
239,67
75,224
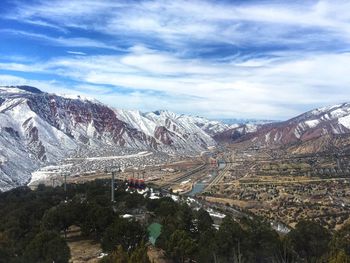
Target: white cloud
x,y
62,41
173,21
76,53
267,88
295,57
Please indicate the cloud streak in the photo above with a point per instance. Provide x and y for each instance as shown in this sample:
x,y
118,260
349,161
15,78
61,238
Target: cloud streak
x,y
61,41
171,21
254,59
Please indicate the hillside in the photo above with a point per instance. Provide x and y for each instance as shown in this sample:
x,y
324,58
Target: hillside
x,y
42,226
330,123
37,128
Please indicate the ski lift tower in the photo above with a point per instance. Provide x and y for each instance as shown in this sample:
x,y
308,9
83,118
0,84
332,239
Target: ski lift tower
x,y
113,170
65,183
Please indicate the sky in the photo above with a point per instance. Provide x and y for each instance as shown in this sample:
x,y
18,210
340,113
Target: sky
x,y
216,59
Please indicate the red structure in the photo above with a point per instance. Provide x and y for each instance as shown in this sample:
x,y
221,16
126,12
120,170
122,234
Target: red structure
x,y
137,183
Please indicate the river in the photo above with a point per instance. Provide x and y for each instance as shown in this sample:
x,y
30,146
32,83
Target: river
x,y
200,185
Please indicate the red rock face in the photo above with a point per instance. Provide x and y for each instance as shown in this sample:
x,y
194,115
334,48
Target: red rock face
x,y
306,127
34,143
290,132
73,117
228,136
164,135
233,134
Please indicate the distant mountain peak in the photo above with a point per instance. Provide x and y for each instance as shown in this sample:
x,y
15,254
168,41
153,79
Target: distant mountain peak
x,y
25,88
160,112
79,97
157,112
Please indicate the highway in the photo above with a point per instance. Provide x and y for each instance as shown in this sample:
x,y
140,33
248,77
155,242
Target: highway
x,y
185,176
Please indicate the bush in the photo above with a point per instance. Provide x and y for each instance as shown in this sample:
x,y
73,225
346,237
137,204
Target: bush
x,y
128,234
47,247
310,240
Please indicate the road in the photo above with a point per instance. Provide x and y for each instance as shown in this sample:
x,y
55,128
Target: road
x,y
186,175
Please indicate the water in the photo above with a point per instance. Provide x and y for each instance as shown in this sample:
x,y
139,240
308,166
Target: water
x,y
200,185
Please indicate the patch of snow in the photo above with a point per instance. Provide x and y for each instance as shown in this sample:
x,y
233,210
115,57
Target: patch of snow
x,y
46,172
325,109
338,113
152,196
126,216
345,121
312,123
102,255
79,97
185,182
12,90
174,197
140,154
215,214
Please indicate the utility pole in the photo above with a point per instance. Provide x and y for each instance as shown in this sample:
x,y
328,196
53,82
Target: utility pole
x,y
53,182
112,187
114,170
65,183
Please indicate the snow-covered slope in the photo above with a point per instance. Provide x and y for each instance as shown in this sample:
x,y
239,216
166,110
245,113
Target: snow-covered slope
x,y
332,120
241,122
38,128
137,120
26,140
209,126
171,129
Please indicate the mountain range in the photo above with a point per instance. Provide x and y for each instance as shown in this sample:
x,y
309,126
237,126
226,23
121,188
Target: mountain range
x,y
318,130
38,128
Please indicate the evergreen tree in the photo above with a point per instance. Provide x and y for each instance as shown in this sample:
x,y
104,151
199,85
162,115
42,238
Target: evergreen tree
x,y
119,255
310,240
261,243
5,249
185,218
128,234
47,247
229,239
180,246
207,247
204,221
139,255
96,220
341,240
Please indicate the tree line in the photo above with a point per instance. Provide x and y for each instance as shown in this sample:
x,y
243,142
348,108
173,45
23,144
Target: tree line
x,y
33,226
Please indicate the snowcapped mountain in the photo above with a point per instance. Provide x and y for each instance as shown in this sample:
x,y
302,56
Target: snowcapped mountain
x,y
245,121
238,128
172,129
333,120
211,127
235,132
38,128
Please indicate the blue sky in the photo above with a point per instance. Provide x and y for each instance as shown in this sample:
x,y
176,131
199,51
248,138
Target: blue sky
x,y
218,59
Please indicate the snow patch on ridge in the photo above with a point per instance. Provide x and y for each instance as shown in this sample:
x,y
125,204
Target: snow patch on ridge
x,y
345,121
312,123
